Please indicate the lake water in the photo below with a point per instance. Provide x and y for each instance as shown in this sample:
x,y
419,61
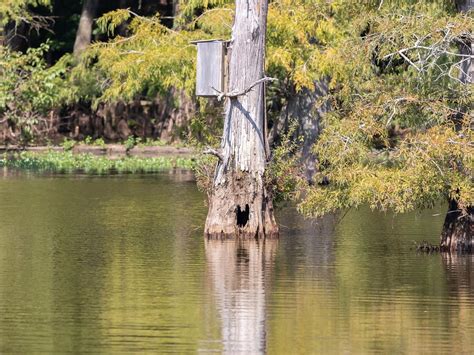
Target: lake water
x,y
119,265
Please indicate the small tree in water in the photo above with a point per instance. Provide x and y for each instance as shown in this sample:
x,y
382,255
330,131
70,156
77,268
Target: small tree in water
x,y
239,203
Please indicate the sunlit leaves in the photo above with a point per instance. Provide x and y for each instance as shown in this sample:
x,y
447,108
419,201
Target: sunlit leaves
x,y
400,134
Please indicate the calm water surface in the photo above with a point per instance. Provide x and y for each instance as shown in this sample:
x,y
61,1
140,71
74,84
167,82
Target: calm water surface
x,y
119,265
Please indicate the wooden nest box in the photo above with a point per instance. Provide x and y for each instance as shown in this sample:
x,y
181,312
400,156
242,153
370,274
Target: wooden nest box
x,y
211,67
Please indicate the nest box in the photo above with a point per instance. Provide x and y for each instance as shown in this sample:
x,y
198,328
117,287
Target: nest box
x,y
211,67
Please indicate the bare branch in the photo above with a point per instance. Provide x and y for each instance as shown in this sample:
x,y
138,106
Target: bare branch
x,y
214,152
234,95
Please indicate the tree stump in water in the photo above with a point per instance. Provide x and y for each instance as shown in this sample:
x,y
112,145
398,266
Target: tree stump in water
x,y
239,203
458,230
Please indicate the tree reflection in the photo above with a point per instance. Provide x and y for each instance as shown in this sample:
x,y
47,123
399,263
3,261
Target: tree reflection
x,y
239,272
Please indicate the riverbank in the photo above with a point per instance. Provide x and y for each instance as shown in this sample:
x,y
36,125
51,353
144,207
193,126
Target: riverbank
x,y
109,150
104,159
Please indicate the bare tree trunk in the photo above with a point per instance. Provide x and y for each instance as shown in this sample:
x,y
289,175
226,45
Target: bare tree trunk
x,y
84,30
458,228
239,203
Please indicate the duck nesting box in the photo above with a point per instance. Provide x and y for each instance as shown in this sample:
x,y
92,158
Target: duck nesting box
x,y
211,65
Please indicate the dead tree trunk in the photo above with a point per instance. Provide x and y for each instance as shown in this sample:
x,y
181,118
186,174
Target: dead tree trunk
x,y
458,228
239,203
84,30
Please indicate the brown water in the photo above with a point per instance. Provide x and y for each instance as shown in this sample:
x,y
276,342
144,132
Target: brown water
x,y
119,265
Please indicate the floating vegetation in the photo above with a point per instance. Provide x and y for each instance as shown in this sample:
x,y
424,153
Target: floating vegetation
x,y
67,162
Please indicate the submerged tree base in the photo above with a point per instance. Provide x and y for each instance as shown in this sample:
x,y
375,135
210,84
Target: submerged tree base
x,y
457,235
240,208
458,229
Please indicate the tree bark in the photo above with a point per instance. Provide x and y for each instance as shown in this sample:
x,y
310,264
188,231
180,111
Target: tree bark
x,y
458,228
239,203
84,30
15,35
464,5
467,67
302,107
175,13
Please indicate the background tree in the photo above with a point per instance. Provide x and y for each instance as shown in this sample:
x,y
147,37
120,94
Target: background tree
x,y
458,229
400,137
84,31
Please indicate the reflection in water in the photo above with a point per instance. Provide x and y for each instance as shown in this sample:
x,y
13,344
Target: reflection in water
x,y
117,265
240,273
460,284
459,273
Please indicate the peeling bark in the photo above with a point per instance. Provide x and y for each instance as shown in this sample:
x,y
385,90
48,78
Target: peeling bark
x,y
239,203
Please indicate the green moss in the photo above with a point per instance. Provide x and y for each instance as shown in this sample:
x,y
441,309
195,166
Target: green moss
x,y
67,162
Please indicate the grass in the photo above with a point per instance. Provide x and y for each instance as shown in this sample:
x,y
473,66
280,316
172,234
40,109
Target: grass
x,y
67,162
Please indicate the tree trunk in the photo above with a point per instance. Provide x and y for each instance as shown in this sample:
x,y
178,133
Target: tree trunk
x,y
458,228
175,13
15,35
467,67
239,203
303,108
464,5
84,30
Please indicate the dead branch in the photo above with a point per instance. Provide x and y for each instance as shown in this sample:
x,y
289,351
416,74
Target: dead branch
x,y
214,152
234,94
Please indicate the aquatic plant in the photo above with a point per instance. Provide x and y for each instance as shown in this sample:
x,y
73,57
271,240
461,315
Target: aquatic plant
x,y
67,162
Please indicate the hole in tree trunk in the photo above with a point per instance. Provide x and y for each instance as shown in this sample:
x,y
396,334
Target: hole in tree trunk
x,y
242,216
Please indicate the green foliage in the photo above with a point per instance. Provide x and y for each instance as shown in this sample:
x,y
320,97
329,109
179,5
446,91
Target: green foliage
x,y
67,162
285,174
99,142
400,134
28,89
203,170
18,10
68,144
151,62
149,142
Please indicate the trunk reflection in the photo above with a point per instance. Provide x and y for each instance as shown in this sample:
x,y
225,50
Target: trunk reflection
x,y
239,272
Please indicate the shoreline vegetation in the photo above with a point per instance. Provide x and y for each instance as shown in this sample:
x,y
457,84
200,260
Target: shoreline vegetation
x,y
103,159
